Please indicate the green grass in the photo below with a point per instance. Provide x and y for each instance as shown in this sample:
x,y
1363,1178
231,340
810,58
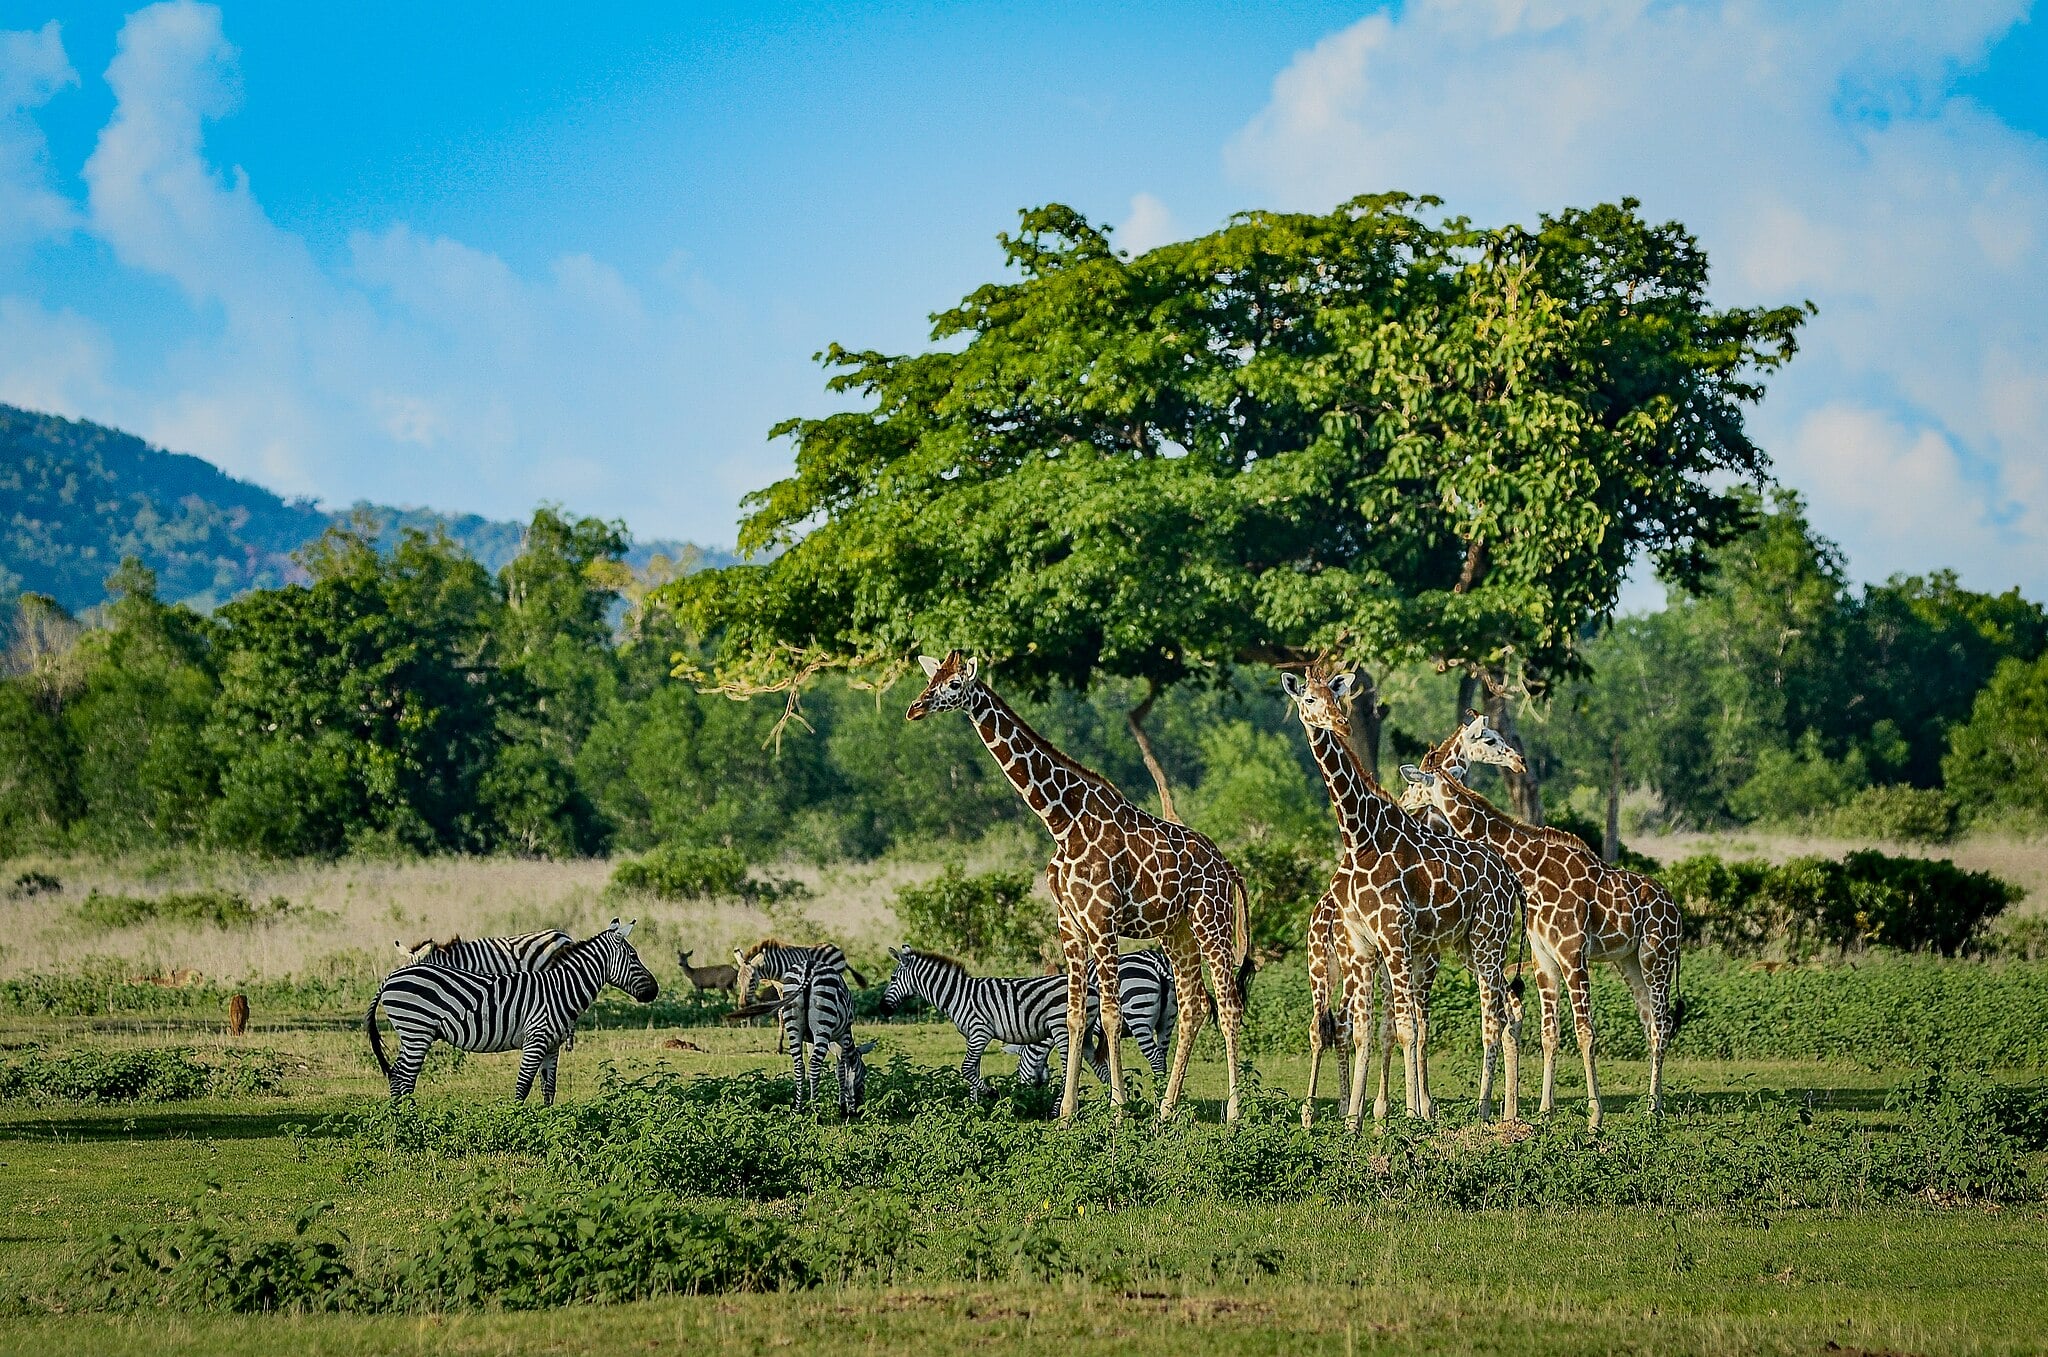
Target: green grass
x,y
1354,1278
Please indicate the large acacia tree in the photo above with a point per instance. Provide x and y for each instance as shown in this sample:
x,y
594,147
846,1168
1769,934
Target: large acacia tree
x,y
1375,428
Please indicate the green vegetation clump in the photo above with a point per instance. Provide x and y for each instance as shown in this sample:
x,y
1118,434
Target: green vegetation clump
x,y
1867,899
27,885
209,905
1897,814
684,873
988,918
150,1075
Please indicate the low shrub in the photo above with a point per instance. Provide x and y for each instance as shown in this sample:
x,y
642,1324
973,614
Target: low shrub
x,y
150,1075
30,884
989,918
103,986
1867,899
221,908
1949,1138
1593,836
1896,814
679,873
1283,878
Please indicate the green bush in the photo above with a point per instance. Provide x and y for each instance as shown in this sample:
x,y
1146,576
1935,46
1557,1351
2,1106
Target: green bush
x,y
1896,814
30,884
682,873
209,905
160,1075
989,918
1592,835
1867,899
1283,879
102,986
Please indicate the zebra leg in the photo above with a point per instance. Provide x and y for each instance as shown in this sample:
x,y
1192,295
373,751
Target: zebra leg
x,y
796,1062
818,1051
547,1077
405,1070
970,1065
530,1061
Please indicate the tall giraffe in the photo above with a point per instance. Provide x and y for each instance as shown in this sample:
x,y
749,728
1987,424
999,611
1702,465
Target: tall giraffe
x,y
1581,910
1117,872
1332,958
1407,892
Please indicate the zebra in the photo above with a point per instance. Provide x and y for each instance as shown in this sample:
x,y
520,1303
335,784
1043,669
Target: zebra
x,y
1151,1009
817,1013
489,956
533,1012
774,957
1026,1010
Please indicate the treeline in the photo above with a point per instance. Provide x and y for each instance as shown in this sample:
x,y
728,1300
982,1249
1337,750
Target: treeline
x,y
405,700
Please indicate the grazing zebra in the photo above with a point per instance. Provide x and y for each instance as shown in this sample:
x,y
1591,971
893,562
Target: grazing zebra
x,y
534,1011
1144,985
1026,1010
489,956
774,957
817,1012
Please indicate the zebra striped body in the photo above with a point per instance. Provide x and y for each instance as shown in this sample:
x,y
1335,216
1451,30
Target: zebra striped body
x,y
774,959
490,956
532,1012
1151,1009
1024,1010
817,1013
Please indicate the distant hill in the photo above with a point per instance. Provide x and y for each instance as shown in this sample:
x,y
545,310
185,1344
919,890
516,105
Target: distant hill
x,y
76,497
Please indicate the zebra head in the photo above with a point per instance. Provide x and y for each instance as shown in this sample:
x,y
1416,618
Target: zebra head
x,y
952,679
901,979
623,966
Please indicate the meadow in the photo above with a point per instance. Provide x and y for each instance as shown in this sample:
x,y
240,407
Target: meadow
x,y
1855,1160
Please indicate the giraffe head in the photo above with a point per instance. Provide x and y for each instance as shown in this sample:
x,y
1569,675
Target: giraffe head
x,y
949,682
1477,742
1320,701
1427,790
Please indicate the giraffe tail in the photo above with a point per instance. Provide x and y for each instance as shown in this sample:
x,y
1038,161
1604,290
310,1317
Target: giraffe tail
x,y
1326,1029
1241,924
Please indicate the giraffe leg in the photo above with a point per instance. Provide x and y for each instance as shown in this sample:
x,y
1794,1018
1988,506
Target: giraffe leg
x,y
1548,970
1186,960
1631,967
1491,1022
1421,1104
1103,950
1077,1009
1660,974
1578,977
1388,1037
1215,945
1359,1000
1403,999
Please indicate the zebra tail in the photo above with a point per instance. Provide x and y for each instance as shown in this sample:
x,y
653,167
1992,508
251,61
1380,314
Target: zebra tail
x,y
858,978
376,1039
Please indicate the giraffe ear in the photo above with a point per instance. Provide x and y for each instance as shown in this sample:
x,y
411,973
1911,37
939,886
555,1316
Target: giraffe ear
x,y
1340,686
1414,775
973,668
928,664
1290,684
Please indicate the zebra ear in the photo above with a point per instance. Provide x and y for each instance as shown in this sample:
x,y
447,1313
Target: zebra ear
x,y
928,664
867,1046
895,954
624,930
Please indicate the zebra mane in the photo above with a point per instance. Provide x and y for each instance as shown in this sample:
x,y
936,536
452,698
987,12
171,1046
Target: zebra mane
x,y
942,961
764,944
438,944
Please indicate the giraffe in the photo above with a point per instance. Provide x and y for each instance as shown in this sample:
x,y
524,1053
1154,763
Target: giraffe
x,y
1406,892
1118,871
1580,910
1332,958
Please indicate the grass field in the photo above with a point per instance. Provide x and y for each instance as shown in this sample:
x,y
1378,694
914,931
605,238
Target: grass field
x,y
1087,1269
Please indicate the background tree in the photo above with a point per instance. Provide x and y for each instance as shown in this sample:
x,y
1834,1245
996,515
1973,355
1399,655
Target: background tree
x,y
1409,436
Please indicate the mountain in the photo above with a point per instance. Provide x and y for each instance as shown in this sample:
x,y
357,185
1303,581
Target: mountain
x,y
76,497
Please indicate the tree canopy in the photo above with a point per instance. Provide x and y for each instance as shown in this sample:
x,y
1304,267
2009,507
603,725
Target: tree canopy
x,y
1374,426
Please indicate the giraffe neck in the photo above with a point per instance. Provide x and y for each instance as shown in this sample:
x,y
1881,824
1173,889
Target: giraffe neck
x,y
1472,816
1053,785
1449,756
1364,811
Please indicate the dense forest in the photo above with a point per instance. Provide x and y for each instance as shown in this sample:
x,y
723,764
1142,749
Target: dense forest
x,y
80,498
405,699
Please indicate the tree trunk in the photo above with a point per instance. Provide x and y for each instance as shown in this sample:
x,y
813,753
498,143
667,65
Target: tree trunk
x,y
1525,789
1136,718
1468,697
1610,842
1368,714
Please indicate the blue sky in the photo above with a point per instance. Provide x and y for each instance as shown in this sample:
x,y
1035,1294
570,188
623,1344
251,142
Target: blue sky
x,y
480,257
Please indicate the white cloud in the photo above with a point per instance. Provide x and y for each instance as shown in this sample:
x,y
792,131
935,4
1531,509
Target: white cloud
x,y
54,361
1149,225
33,68
1815,151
